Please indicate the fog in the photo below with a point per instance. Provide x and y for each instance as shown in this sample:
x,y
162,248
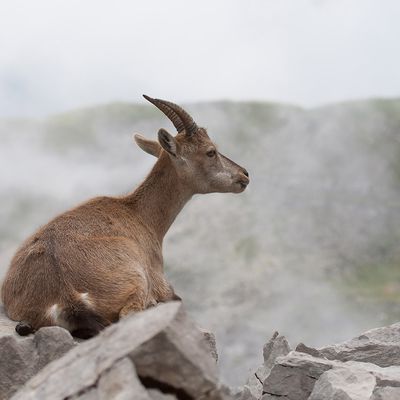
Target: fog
x,y
310,249
58,55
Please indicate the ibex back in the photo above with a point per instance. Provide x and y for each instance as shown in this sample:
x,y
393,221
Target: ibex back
x,y
103,259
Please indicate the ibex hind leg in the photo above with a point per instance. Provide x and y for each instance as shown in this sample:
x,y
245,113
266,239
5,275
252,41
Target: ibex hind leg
x,y
139,298
136,302
133,305
86,322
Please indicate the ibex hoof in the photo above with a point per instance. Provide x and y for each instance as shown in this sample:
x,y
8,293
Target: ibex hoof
x,y
24,328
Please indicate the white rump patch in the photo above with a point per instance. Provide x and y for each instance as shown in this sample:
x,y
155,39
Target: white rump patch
x,y
85,299
53,313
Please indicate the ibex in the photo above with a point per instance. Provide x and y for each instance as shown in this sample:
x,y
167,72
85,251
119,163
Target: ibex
x,y
102,260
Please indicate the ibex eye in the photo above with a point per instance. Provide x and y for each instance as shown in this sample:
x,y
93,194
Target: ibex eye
x,y
211,153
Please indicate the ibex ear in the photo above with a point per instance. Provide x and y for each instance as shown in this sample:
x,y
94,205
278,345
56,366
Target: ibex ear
x,y
168,142
149,146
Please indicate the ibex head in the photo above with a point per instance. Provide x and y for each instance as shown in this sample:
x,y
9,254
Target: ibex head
x,y
198,162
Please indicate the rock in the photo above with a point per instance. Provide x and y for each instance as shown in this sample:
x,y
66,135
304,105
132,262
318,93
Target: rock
x,y
356,381
184,360
300,376
23,357
51,342
293,376
351,370
380,346
276,347
7,327
167,350
159,354
236,392
209,338
157,395
302,348
17,364
119,382
252,390
386,393
344,384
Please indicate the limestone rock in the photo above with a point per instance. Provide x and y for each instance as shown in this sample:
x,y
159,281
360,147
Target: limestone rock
x,y
357,381
302,348
300,376
276,347
51,343
236,392
23,357
252,390
184,360
167,350
7,327
293,376
209,338
386,393
344,384
157,395
119,382
380,346
159,354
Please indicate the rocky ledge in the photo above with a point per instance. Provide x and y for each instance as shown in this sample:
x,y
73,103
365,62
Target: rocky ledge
x,y
161,354
364,368
156,354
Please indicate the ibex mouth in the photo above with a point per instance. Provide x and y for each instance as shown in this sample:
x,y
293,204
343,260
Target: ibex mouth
x,y
243,183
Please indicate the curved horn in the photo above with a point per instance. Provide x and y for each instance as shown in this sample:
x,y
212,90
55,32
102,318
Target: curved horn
x,y
170,113
166,106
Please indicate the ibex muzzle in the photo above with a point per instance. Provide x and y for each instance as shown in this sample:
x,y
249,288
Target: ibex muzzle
x,y
102,260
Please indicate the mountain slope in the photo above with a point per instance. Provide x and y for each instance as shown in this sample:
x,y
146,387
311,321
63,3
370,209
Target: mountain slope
x,y
309,249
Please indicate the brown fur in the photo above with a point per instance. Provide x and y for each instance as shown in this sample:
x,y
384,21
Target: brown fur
x,y
111,247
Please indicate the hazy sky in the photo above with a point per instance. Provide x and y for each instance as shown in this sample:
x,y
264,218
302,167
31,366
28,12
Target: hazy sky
x,y
56,55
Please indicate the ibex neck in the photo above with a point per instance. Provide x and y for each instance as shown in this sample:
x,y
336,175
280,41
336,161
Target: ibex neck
x,y
160,198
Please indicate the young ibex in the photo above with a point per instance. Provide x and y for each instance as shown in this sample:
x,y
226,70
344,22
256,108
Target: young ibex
x,y
103,259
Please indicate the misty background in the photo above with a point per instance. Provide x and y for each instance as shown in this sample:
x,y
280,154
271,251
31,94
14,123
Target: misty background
x,y
303,94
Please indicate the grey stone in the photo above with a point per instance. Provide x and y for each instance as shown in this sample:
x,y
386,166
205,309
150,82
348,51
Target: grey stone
x,y
350,370
268,396
165,346
236,392
7,327
157,395
253,388
344,384
209,338
293,376
300,376
119,382
23,357
276,347
186,364
51,343
386,393
302,348
380,346
17,364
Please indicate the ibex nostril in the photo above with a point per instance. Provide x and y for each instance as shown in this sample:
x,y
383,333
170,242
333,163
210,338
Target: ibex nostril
x,y
245,173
